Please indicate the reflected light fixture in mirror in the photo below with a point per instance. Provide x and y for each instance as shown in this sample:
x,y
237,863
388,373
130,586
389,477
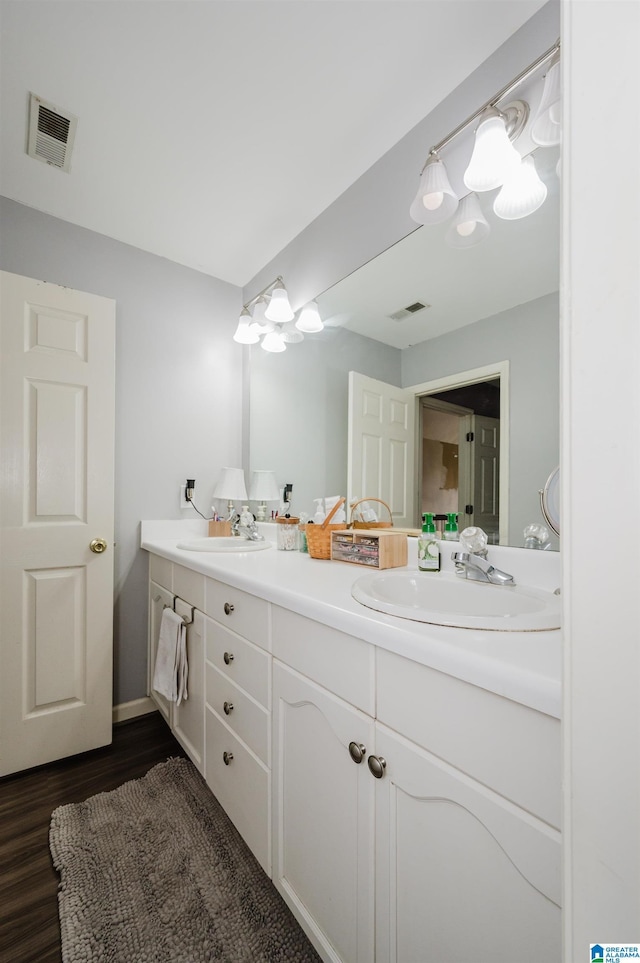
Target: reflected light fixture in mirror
x,y
270,316
495,161
231,485
263,489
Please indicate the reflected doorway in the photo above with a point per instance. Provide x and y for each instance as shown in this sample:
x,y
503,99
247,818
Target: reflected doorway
x,y
459,463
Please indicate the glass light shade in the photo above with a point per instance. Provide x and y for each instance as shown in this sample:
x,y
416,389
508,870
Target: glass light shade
x,y
493,154
260,323
279,309
310,321
244,333
546,129
291,335
273,342
230,485
469,225
436,199
522,193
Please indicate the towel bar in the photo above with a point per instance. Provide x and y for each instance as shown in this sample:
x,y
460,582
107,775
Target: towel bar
x,y
187,619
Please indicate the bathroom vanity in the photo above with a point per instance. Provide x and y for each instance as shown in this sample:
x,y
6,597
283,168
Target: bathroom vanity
x,y
399,781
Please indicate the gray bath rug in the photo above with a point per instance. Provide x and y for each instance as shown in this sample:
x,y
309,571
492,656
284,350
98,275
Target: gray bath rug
x,y
154,872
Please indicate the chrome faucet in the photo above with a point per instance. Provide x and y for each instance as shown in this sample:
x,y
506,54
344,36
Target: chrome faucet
x,y
476,567
249,532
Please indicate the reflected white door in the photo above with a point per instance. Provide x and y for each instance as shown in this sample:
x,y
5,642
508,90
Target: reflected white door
x,y
381,444
57,350
480,469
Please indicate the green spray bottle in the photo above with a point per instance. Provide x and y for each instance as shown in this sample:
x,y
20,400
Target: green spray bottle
x,y
428,547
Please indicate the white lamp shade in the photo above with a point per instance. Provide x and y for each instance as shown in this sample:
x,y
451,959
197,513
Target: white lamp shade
x,y
230,485
436,199
546,129
291,335
279,309
244,332
273,342
469,225
521,194
261,325
263,487
493,154
310,321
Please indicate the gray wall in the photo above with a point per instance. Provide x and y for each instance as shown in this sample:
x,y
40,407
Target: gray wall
x,y
528,337
178,390
298,421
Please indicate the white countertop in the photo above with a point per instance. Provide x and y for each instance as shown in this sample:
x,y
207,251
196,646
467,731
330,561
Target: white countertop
x,y
522,666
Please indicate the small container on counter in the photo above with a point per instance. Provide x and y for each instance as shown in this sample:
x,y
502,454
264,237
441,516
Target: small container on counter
x,y
287,533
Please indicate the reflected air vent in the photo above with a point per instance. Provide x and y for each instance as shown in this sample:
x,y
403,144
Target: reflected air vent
x,y
51,133
410,309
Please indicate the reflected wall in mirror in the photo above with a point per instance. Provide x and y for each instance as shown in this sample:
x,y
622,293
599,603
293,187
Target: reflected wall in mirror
x,y
493,303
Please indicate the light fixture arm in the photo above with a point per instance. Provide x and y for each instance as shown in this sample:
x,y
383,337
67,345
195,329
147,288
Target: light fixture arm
x,y
495,100
268,290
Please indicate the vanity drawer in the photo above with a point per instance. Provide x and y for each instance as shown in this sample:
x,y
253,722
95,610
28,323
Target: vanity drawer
x,y
241,612
511,748
189,585
242,787
247,718
241,661
160,571
339,662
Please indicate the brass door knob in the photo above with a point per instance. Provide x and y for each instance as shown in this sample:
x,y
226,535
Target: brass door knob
x,y
98,545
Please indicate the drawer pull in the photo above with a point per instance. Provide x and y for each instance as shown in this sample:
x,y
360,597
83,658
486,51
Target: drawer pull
x,y
227,757
228,707
377,766
228,608
228,658
357,751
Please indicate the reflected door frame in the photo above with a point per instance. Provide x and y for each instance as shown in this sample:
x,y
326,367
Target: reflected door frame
x,y
499,369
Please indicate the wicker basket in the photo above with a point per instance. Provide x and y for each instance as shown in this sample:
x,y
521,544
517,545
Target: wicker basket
x,y
355,524
319,536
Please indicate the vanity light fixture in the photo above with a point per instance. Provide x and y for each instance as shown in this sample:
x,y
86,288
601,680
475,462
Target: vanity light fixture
x,y
270,317
495,162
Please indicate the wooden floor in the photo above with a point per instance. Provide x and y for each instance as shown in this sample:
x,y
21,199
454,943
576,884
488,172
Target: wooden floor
x,y
29,929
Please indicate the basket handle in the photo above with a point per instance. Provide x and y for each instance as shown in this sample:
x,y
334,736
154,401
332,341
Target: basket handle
x,y
360,500
332,512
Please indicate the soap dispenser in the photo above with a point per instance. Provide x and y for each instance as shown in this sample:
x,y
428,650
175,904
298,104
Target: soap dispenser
x,y
428,547
451,527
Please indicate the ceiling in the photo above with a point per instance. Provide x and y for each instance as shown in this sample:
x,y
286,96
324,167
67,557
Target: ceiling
x,y
211,133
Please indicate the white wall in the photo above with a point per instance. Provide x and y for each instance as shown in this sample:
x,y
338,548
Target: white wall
x,y
600,310
178,390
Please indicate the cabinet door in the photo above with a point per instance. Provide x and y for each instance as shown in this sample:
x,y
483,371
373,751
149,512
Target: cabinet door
x,y
188,717
462,874
323,816
158,598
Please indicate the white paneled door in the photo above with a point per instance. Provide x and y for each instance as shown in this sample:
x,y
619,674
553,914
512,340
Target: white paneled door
x,y
57,355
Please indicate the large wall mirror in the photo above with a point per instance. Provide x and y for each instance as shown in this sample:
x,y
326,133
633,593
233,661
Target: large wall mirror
x,y
490,315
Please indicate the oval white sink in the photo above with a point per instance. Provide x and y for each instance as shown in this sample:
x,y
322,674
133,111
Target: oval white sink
x,y
229,543
443,599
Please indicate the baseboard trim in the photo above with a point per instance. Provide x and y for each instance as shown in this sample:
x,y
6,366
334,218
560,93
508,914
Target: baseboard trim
x,y
130,710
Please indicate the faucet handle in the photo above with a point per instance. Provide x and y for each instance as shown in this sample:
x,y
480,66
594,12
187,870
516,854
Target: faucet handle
x,y
474,541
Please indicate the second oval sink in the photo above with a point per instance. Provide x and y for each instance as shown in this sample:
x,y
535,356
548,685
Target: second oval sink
x,y
229,543
443,599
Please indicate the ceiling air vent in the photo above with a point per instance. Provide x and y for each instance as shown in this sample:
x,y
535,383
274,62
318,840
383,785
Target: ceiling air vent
x,y
51,133
410,309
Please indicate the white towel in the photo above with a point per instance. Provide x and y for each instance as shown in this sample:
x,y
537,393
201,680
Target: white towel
x,y
171,669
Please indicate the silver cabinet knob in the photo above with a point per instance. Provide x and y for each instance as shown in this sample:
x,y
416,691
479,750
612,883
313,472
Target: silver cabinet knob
x,y
228,658
228,707
227,757
228,608
357,751
377,766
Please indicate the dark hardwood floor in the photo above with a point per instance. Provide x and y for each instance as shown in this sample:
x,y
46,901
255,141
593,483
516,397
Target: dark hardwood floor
x,y
29,929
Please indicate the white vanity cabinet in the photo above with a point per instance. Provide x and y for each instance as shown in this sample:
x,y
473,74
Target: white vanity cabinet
x,y
238,712
168,582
